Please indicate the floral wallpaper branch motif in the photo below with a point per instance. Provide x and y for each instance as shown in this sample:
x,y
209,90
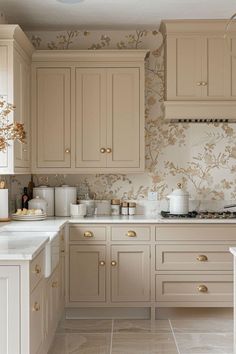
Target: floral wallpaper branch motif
x,y
202,156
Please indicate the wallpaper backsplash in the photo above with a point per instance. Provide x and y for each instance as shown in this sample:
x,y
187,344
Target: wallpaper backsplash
x,y
202,157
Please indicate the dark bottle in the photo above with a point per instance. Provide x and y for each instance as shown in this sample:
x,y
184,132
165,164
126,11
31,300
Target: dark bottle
x,y
24,199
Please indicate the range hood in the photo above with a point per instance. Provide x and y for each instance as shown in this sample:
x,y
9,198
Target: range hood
x,y
200,111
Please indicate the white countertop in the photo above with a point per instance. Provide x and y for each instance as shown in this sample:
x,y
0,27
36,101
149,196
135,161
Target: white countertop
x,y
233,250
21,245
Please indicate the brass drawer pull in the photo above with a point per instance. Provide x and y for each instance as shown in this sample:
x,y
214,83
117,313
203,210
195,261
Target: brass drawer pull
x,y
202,288
202,258
88,234
37,269
113,263
36,307
102,263
204,83
67,151
108,150
102,150
131,233
55,284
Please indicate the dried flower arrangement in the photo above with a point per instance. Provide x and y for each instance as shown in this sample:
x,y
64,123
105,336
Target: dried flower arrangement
x,y
9,131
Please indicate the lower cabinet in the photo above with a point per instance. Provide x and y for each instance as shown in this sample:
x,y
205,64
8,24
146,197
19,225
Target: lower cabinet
x,y
130,273
87,273
37,319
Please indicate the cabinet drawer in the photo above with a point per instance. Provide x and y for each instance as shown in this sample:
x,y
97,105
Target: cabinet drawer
x,y
193,257
130,233
36,319
196,232
37,270
87,233
191,287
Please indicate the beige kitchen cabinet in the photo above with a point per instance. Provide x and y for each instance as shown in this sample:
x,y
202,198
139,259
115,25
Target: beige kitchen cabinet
x,y
15,62
87,274
130,273
37,319
52,107
200,72
10,310
88,111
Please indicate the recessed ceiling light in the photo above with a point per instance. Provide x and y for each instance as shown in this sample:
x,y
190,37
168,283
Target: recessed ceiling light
x,y
69,2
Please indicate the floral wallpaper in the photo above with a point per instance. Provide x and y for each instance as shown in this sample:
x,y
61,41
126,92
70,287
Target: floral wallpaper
x,y
201,156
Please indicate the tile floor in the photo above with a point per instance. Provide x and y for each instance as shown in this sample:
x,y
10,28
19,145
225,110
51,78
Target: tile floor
x,y
177,336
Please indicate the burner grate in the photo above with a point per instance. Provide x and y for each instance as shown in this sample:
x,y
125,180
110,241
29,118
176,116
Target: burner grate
x,y
201,215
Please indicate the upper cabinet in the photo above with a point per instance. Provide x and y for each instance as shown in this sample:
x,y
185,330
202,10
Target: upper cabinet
x,y
199,70
88,111
15,66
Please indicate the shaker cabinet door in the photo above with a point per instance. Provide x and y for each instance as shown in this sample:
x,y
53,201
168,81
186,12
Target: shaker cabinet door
x,y
87,273
123,118
130,273
90,117
52,126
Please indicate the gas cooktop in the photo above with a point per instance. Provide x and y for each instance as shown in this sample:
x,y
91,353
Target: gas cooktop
x,y
201,215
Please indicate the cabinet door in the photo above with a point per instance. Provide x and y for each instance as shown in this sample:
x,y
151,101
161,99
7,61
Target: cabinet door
x,y
53,117
87,273
123,117
36,319
130,269
90,97
9,310
21,114
216,69
184,68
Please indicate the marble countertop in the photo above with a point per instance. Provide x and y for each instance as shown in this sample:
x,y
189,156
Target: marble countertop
x,y
21,245
233,250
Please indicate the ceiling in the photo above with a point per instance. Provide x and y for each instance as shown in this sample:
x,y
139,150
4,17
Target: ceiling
x,y
115,14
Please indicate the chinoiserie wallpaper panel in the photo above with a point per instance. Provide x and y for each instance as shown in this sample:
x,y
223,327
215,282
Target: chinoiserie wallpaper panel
x,y
202,157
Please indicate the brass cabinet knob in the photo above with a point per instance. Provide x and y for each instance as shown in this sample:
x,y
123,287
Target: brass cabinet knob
x,y
131,233
25,150
88,234
199,83
36,307
113,263
67,151
202,258
202,288
102,263
102,150
204,83
37,269
55,284
108,150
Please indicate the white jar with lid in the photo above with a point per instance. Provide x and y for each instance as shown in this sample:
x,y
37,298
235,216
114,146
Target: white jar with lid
x,y
115,207
38,203
124,208
132,208
179,201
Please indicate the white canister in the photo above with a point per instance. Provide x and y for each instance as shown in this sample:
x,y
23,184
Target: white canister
x,y
77,210
46,193
179,201
38,203
64,196
90,206
3,203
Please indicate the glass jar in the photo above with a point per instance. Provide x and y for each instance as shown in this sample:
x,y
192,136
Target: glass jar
x,y
115,207
132,208
124,208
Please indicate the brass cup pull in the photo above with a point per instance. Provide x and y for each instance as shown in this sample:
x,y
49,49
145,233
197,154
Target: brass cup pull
x,y
204,83
131,233
108,150
202,258
102,150
67,151
88,234
37,269
202,288
113,263
55,284
102,263
36,307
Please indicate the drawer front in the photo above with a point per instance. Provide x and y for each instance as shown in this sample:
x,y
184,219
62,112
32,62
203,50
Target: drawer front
x,y
37,269
193,257
197,232
36,319
201,288
130,233
87,233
